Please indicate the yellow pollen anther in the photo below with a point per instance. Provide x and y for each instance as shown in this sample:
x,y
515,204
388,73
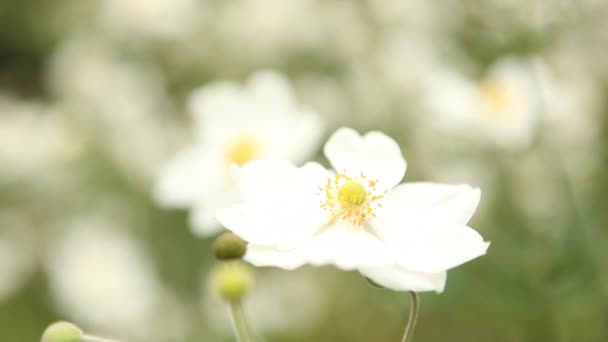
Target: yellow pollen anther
x,y
243,150
350,199
497,97
352,192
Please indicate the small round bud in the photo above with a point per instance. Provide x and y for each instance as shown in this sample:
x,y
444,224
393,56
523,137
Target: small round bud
x,y
232,281
62,332
352,192
228,246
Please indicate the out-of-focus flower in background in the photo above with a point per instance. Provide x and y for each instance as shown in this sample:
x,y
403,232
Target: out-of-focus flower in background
x,y
33,139
149,18
18,257
234,125
121,106
502,108
101,275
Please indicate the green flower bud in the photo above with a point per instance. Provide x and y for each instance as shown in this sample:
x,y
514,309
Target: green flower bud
x,y
232,281
228,246
62,332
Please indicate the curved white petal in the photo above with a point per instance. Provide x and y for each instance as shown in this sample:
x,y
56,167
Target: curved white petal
x,y
187,178
202,217
398,278
432,247
279,203
374,154
272,89
346,247
424,225
297,143
429,202
259,255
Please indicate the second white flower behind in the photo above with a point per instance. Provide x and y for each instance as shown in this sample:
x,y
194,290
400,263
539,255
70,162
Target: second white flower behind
x,y
235,125
404,237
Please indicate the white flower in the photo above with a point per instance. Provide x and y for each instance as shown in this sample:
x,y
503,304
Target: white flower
x,y
32,139
235,125
118,104
404,237
17,256
502,108
154,18
100,276
266,29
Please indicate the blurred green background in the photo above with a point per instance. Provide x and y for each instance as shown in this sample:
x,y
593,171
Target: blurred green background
x,y
93,103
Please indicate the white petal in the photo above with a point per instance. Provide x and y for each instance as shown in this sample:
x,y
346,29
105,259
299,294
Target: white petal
x,y
296,144
185,179
398,278
423,224
430,202
279,203
202,216
260,256
346,247
375,155
272,89
432,247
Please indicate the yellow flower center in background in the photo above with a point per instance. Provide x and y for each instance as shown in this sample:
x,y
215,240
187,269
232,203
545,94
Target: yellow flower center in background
x,y
351,199
352,192
496,97
243,150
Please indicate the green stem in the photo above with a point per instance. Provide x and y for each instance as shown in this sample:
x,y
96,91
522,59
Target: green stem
x,y
239,321
411,322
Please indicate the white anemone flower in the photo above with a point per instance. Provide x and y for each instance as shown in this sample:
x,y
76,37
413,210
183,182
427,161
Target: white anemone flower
x,y
150,18
502,108
404,237
100,275
234,125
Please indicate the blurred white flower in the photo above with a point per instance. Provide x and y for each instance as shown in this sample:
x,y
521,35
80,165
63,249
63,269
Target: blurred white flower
x,y
17,255
32,138
416,15
100,276
262,27
404,237
272,30
235,125
503,108
121,105
279,303
155,18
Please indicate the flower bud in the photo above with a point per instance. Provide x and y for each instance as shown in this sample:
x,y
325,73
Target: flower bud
x,y
232,281
228,246
62,332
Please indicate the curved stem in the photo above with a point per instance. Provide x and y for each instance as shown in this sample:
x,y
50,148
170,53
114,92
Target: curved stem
x,y
411,322
241,328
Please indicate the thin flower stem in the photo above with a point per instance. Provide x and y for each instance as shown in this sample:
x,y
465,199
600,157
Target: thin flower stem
x,y
411,322
239,320
90,338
